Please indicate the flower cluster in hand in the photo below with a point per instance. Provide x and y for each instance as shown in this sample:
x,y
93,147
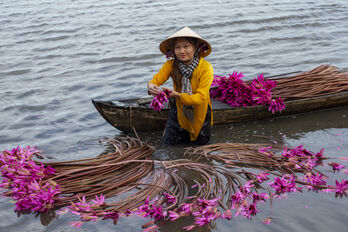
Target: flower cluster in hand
x,y
233,91
159,99
25,180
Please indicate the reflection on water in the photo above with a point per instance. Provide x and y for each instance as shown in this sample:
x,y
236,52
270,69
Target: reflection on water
x,y
290,127
56,57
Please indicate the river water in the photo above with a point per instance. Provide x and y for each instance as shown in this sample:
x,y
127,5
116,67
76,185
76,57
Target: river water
x,y
55,56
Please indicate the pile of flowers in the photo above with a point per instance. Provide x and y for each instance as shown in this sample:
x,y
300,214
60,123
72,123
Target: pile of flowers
x,y
25,180
158,101
233,91
244,202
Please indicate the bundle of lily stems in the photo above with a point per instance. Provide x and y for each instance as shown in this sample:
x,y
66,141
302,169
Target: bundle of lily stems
x,y
272,92
322,80
214,181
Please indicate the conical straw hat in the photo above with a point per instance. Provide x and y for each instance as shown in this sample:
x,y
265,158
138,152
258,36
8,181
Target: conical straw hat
x,y
168,45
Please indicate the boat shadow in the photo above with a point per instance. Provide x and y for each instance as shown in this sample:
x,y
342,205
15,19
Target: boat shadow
x,y
260,131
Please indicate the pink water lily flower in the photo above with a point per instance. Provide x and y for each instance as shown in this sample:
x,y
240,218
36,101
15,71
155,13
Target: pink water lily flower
x,y
156,212
201,221
341,188
151,228
234,91
170,199
76,224
262,197
238,197
88,217
186,208
99,200
336,166
284,184
249,210
248,186
159,99
25,179
265,149
315,179
112,215
173,215
267,221
262,176
156,105
227,215
190,227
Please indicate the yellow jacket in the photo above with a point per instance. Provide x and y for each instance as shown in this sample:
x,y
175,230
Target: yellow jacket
x,y
202,77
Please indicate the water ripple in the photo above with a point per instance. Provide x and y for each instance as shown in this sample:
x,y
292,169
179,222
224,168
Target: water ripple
x,y
18,72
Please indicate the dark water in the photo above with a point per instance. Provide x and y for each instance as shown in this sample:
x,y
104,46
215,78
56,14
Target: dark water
x,y
57,55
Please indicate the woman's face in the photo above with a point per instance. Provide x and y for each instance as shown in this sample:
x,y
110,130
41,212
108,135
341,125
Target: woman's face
x,y
184,50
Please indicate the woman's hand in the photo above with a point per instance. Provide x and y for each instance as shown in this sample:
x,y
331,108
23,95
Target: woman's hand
x,y
172,93
153,89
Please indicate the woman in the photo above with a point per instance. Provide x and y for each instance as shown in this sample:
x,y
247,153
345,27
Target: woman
x,y
191,116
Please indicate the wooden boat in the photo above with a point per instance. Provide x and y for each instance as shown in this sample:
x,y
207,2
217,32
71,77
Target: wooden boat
x,y
135,113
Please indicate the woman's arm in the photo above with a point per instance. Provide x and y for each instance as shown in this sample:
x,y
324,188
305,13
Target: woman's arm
x,y
159,78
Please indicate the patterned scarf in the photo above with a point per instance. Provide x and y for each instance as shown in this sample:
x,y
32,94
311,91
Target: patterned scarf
x,y
186,83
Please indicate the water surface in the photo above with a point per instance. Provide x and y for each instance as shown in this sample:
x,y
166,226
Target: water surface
x,y
56,56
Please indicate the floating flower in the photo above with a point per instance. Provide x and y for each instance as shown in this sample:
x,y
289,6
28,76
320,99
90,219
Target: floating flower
x,y
262,197
76,224
27,180
112,215
151,228
238,198
315,179
265,149
341,188
186,208
262,176
170,199
248,186
267,221
190,227
99,200
247,210
173,215
336,166
201,221
156,212
227,215
284,184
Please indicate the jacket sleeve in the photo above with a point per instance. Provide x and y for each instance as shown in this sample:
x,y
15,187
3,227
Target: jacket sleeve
x,y
163,74
202,91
